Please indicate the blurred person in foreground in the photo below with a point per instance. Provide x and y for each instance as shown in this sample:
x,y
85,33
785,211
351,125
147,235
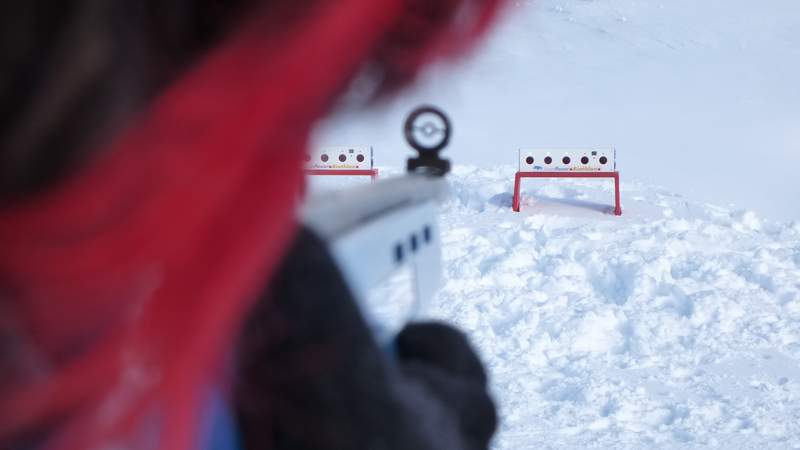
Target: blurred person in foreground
x,y
154,281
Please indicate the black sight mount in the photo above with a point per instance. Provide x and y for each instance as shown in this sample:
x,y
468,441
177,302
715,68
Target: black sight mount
x,y
428,130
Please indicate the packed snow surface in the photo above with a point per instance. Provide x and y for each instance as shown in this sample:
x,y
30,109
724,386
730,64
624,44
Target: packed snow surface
x,y
699,96
673,325
676,325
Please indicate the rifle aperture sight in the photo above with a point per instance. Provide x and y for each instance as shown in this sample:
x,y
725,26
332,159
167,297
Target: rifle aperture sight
x,y
427,130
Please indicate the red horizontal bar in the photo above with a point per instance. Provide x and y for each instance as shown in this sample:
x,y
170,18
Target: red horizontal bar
x,y
568,174
351,172
515,205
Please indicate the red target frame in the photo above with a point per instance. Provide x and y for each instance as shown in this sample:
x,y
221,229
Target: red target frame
x,y
520,175
372,173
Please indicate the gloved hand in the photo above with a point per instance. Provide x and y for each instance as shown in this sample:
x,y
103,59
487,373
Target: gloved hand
x,y
311,376
441,358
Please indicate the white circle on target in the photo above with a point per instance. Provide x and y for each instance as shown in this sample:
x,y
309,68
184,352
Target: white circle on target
x,y
430,130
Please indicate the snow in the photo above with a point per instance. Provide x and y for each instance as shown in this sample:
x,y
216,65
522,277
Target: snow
x,y
676,325
698,96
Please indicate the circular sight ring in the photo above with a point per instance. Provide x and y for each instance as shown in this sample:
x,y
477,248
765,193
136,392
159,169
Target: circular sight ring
x,y
411,125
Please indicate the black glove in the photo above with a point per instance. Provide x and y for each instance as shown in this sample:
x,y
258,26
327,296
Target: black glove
x,y
310,375
441,358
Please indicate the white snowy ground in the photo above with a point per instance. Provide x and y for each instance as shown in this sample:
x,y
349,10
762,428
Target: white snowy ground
x,y
699,96
676,325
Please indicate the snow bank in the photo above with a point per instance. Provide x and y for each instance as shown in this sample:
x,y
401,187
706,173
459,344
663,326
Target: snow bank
x,y
691,92
676,325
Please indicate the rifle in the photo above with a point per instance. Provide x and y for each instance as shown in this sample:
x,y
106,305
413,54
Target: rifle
x,y
374,232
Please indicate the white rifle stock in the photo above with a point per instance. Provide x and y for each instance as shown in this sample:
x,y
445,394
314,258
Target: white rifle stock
x,y
374,231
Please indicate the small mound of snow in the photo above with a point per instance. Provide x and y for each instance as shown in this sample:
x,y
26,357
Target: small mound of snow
x,y
676,325
646,330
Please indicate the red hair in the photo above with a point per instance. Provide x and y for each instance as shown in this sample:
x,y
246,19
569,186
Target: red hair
x,y
126,284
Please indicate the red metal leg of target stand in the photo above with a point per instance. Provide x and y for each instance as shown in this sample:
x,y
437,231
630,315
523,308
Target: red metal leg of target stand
x,y
617,200
520,175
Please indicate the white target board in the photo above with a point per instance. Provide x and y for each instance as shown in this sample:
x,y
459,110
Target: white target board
x,y
568,160
340,158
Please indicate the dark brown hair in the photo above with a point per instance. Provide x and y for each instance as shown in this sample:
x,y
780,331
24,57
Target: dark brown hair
x,y
73,72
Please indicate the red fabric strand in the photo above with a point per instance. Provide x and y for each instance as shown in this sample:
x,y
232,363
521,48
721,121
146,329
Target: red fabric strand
x,y
131,279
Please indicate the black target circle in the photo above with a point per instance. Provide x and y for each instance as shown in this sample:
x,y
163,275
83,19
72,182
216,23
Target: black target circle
x,y
427,130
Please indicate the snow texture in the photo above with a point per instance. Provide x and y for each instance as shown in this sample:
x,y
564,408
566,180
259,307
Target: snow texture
x,y
699,96
676,325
